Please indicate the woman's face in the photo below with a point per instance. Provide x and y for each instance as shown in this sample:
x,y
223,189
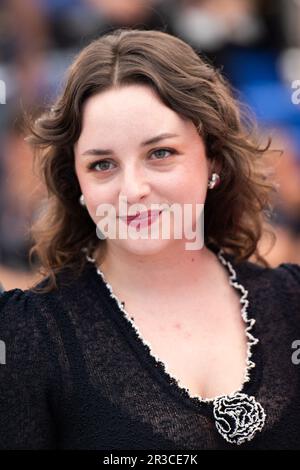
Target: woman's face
x,y
112,162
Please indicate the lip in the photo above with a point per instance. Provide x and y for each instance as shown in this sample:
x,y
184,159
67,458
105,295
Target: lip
x,y
142,215
143,219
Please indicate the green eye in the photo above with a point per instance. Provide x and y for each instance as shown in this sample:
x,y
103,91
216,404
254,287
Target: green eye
x,y
102,163
163,150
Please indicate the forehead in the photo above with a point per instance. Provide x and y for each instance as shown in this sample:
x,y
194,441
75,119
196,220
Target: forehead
x,y
133,109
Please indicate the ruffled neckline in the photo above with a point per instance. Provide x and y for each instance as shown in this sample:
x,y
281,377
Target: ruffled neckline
x,y
159,368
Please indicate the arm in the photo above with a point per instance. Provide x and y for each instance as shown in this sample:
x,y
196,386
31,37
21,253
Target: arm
x,y
26,421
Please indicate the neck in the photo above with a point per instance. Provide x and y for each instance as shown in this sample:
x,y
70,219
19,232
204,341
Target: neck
x,y
162,272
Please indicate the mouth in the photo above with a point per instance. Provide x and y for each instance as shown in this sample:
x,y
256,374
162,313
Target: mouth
x,y
146,216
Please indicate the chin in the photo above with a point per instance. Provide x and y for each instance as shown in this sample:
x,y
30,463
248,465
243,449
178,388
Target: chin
x,y
144,247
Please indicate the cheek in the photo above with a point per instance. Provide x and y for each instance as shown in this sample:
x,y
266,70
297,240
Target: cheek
x,y
198,179
101,199
82,177
93,190
97,196
189,183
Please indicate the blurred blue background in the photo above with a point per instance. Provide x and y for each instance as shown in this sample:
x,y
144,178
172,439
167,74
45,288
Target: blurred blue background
x,y
256,43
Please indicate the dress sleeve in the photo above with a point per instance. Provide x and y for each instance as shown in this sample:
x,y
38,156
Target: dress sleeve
x,y
25,417
290,283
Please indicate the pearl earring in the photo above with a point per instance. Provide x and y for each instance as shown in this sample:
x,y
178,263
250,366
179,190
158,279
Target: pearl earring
x,y
214,181
81,200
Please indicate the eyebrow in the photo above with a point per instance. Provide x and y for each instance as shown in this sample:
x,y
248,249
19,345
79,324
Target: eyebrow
x,y
153,140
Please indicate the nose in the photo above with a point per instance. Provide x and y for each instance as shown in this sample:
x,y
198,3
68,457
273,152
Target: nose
x,y
135,184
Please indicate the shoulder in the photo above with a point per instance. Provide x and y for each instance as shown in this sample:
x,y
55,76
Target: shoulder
x,y
272,293
290,274
17,305
29,370
29,330
23,309
285,278
281,282
287,282
21,324
14,308
287,274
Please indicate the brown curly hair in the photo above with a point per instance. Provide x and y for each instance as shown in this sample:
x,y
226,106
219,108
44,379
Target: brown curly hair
x,y
189,85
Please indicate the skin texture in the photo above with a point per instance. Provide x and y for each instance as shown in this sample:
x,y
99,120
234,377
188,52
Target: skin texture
x,y
120,119
176,296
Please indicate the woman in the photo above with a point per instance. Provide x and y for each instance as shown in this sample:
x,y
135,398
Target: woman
x,y
146,341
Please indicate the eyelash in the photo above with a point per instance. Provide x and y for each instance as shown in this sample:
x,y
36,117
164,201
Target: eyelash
x,y
92,165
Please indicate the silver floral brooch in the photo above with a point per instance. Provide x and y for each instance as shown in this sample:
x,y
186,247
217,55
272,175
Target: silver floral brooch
x,y
238,417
